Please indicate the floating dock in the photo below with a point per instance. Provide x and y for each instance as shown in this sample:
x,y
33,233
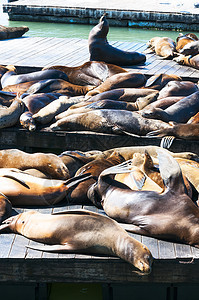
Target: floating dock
x,y
142,14
175,264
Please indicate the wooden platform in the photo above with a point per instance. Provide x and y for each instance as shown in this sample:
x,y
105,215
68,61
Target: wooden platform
x,y
139,13
33,53
174,263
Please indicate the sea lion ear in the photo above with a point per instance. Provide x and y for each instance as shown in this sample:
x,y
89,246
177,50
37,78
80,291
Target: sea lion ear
x,y
170,171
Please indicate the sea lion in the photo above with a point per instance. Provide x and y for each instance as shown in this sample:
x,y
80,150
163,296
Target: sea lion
x,y
10,115
109,121
179,112
80,231
5,208
157,82
181,131
188,61
178,88
11,78
171,215
48,163
33,103
74,160
194,119
109,104
124,94
163,103
12,32
121,80
90,73
49,111
183,40
101,50
19,88
162,46
128,152
25,189
94,167
190,49
59,86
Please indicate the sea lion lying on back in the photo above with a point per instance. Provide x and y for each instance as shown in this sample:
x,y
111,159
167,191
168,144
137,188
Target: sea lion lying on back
x,y
80,231
90,73
162,46
101,50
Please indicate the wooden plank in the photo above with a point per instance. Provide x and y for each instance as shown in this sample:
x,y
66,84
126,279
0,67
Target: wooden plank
x,y
152,244
166,250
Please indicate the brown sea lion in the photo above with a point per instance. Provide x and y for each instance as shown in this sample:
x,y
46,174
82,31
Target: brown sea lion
x,y
162,46
11,78
80,231
181,131
74,160
90,73
6,98
178,88
59,86
109,121
25,189
48,163
188,61
94,167
9,116
182,40
121,80
190,49
12,32
171,215
19,88
101,50
5,208
179,112
159,81
128,152
194,119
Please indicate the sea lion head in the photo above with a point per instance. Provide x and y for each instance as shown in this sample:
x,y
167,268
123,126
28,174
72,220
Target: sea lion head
x,y
16,223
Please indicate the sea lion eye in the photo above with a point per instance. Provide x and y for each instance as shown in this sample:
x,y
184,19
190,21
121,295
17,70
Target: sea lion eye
x,y
22,222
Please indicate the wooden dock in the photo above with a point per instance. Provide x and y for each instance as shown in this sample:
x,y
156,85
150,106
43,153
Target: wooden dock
x,y
174,264
141,14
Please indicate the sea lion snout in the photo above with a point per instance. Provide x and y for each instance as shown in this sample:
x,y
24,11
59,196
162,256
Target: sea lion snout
x,y
144,262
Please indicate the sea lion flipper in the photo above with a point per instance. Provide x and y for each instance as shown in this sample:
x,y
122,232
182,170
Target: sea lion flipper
x,y
75,212
152,80
170,171
138,177
18,180
53,248
167,141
